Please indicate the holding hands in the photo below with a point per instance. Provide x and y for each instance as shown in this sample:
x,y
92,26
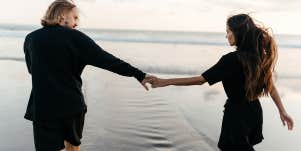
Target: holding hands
x,y
154,81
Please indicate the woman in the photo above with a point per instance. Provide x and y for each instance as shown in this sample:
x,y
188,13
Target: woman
x,y
246,74
56,56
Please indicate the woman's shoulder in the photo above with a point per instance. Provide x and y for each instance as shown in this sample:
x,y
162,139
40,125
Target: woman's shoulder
x,y
231,57
232,54
231,60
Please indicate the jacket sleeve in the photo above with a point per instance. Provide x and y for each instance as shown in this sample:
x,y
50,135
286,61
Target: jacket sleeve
x,y
92,54
27,54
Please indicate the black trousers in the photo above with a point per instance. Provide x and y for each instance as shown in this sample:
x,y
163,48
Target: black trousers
x,y
50,135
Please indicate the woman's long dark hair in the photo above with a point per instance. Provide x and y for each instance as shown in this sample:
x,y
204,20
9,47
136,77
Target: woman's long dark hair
x,y
257,51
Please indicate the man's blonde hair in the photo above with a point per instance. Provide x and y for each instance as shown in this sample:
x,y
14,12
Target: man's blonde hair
x,y
55,11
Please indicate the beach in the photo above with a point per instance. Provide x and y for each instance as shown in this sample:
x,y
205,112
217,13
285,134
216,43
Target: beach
x,y
122,116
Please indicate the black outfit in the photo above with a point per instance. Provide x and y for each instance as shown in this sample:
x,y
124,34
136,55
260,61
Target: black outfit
x,y
50,135
242,121
55,57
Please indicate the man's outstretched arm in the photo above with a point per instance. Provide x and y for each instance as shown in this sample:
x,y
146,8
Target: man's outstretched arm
x,y
92,54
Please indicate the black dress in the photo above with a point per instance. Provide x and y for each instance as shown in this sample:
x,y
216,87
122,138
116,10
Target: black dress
x,y
242,120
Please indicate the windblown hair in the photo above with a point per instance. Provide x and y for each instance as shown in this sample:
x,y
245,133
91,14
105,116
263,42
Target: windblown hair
x,y
55,11
257,51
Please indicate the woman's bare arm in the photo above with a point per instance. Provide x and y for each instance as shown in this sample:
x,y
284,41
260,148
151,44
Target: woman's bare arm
x,y
276,98
285,118
197,80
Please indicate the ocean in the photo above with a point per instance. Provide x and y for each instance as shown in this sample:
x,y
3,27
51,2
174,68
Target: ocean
x,y
123,116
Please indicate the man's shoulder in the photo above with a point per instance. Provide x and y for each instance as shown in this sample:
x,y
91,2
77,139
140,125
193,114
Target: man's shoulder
x,y
79,35
54,29
62,32
76,32
33,33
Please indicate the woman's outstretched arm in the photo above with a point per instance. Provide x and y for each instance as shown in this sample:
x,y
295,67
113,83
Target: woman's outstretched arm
x,y
285,118
158,82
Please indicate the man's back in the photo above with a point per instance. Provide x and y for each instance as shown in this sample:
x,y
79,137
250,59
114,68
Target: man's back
x,y
56,57
55,70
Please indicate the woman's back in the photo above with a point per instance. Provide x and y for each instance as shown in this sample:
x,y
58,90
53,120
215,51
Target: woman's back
x,y
229,71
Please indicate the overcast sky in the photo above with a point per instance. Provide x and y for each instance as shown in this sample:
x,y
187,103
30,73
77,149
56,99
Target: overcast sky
x,y
283,16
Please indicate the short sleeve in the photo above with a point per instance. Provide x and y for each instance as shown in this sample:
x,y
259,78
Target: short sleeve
x,y
219,71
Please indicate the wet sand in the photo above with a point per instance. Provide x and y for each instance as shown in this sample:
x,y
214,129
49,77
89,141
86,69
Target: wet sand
x,y
121,116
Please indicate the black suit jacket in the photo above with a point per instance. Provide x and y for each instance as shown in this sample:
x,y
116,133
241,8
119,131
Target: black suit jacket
x,y
55,57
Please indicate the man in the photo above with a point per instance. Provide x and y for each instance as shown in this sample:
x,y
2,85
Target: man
x,y
55,56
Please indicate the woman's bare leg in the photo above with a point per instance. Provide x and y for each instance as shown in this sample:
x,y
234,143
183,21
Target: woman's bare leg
x,y
70,147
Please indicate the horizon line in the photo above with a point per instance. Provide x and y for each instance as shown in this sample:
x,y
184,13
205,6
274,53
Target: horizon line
x,y
27,26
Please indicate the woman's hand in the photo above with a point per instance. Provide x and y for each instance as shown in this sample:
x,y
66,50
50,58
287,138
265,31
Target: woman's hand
x,y
158,82
287,120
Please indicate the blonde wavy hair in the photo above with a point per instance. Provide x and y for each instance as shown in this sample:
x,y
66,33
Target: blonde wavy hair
x,y
55,11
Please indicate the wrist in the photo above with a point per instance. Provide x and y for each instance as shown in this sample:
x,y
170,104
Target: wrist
x,y
140,76
167,82
282,111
